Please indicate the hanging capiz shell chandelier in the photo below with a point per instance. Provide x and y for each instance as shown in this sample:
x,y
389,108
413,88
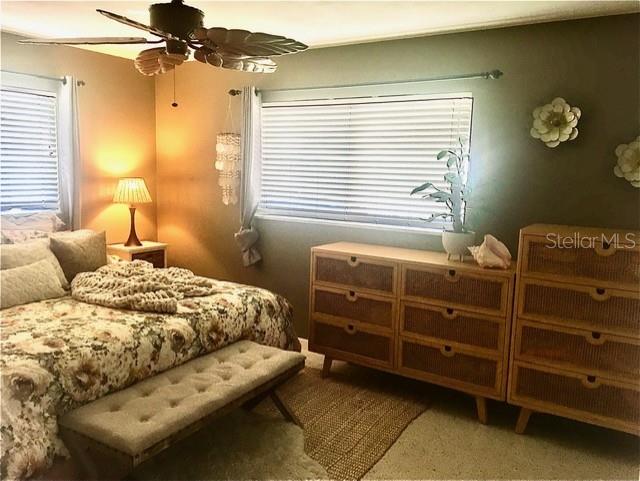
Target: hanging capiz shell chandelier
x,y
228,163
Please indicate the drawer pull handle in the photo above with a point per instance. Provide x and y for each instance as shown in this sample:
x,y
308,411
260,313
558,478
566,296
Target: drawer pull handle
x,y
352,296
447,351
604,250
590,382
595,338
449,313
599,294
350,329
452,276
353,261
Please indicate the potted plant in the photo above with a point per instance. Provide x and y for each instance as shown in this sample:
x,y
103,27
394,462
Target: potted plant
x,y
457,239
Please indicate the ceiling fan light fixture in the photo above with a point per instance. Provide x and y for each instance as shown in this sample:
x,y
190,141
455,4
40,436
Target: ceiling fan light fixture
x,y
180,27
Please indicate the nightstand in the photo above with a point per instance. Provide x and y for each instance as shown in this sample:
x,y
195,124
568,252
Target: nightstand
x,y
154,252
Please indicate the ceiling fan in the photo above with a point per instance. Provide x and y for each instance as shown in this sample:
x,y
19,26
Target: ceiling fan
x,y
180,29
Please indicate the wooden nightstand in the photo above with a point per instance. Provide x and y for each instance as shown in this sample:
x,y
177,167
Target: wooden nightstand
x,y
154,252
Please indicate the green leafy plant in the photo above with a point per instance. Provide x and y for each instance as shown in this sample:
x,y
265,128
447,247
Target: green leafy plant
x,y
456,194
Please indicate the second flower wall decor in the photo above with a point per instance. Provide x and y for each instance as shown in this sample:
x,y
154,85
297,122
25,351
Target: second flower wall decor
x,y
555,122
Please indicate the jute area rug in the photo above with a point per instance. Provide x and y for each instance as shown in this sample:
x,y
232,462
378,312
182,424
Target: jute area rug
x,y
351,418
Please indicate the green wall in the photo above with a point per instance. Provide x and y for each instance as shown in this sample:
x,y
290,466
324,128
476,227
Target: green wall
x,y
517,180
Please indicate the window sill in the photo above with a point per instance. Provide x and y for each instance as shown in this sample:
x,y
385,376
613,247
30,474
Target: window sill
x,y
350,225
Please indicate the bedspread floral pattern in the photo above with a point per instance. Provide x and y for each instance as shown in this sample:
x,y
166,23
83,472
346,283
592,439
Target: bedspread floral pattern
x,y
59,354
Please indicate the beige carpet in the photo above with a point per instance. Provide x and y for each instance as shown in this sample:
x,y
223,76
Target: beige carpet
x,y
241,446
350,421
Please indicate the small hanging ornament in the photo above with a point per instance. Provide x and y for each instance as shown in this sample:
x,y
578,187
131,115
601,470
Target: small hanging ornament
x,y
228,161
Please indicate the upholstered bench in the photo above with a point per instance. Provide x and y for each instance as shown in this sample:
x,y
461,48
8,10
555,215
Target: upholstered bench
x,y
115,433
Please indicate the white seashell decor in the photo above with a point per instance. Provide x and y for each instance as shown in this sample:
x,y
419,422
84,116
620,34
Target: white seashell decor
x,y
228,163
628,165
555,122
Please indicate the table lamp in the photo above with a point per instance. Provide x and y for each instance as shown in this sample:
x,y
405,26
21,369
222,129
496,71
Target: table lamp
x,y
132,190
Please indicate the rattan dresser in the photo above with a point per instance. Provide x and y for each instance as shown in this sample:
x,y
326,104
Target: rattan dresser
x,y
576,337
413,313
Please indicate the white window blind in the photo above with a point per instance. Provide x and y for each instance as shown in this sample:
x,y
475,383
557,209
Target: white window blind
x,y
28,150
357,160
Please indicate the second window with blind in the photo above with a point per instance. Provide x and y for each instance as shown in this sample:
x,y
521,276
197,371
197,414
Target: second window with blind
x,y
357,159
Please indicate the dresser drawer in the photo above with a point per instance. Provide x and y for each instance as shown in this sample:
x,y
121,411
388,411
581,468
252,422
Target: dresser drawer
x,y
456,288
350,342
598,309
355,272
452,325
445,365
596,263
587,398
585,351
351,305
155,257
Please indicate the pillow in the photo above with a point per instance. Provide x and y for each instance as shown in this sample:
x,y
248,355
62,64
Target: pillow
x,y
29,283
15,236
17,255
44,221
72,234
83,253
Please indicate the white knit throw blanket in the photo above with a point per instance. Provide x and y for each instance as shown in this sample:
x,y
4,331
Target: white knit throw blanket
x,y
137,285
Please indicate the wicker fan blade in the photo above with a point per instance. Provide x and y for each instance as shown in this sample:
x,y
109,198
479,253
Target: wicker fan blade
x,y
225,60
87,41
155,61
133,23
248,44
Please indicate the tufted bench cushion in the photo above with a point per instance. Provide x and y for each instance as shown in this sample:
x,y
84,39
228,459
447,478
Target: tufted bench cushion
x,y
144,415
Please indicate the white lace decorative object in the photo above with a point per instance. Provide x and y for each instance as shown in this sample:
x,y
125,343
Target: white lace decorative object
x,y
628,164
555,122
228,163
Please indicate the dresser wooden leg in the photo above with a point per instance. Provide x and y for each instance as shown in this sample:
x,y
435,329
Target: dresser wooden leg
x,y
523,420
326,366
481,407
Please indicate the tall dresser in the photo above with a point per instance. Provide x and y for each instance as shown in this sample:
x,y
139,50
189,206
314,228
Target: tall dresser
x,y
576,337
414,313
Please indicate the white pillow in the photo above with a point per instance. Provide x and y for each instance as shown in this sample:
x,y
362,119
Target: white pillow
x,y
72,234
42,221
17,255
15,236
29,283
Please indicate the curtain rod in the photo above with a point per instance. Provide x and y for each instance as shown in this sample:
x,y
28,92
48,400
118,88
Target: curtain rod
x,y
56,79
489,75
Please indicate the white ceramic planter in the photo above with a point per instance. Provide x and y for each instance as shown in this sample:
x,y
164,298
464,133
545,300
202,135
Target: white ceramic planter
x,y
456,243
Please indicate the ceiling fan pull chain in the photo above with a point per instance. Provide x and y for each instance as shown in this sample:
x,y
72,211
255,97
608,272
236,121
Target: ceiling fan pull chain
x,y
174,104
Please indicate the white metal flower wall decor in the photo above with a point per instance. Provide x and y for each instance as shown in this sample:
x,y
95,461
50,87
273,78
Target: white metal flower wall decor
x,y
228,163
555,122
628,165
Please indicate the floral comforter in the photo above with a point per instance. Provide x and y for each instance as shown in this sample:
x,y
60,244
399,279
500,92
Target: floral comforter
x,y
62,353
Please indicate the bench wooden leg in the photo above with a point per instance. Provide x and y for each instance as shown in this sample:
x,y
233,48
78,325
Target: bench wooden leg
x,y
252,403
326,366
287,413
96,461
523,420
481,407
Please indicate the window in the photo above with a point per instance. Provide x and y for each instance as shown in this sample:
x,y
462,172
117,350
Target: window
x,y
29,146
357,159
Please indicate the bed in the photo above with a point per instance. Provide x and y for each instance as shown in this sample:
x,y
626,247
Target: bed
x,y
61,353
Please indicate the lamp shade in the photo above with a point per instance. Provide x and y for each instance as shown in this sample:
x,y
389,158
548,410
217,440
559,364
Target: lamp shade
x,y
131,190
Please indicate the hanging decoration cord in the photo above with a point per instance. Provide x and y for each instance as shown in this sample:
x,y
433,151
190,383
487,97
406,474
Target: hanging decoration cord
x,y
229,121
